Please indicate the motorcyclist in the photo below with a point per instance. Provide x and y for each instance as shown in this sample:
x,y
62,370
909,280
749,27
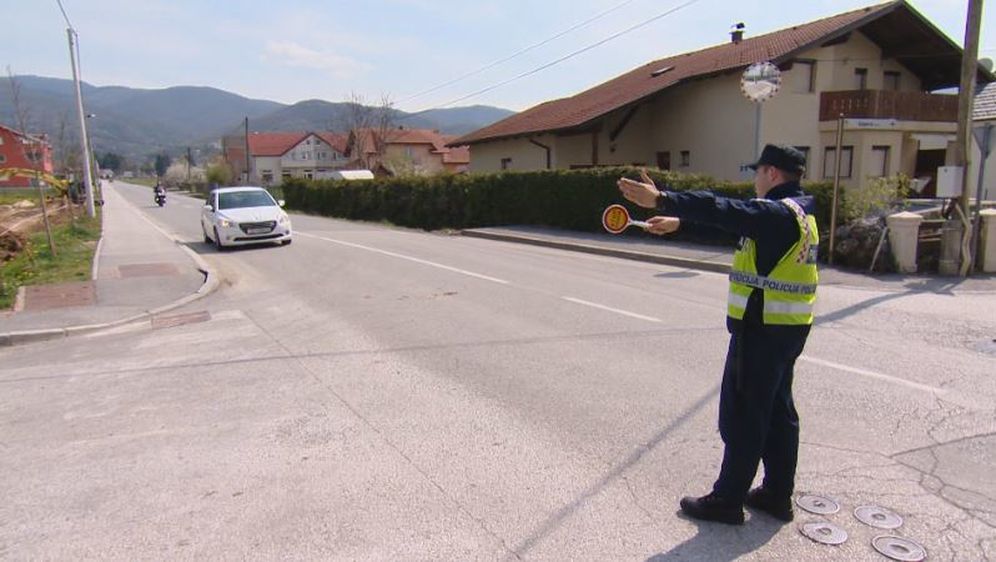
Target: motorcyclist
x,y
160,191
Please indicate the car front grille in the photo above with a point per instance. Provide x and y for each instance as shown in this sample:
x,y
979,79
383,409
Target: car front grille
x,y
257,227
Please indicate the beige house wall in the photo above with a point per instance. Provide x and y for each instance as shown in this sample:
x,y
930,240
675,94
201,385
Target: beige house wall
x,y
711,120
264,164
630,146
419,156
525,156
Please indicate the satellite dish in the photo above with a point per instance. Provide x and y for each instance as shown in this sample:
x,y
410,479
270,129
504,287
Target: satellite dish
x,y
761,81
987,64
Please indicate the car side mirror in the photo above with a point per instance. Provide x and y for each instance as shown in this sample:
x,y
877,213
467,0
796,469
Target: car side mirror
x,y
281,202
208,208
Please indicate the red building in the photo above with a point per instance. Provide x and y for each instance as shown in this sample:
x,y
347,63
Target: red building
x,y
16,151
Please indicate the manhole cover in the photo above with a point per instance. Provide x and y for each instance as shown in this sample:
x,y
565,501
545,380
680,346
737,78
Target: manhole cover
x,y
878,517
817,504
899,548
823,532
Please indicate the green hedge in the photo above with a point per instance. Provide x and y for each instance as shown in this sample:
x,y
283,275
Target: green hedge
x,y
571,200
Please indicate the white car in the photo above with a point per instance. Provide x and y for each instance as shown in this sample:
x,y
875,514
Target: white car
x,y
235,216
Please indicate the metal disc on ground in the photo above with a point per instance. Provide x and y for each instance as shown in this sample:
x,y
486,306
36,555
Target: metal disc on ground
x,y
878,517
823,532
898,548
817,504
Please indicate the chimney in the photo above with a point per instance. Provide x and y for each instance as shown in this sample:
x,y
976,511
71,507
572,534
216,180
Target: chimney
x,y
737,35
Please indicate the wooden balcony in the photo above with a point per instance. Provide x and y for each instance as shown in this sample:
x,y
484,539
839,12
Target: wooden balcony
x,y
885,104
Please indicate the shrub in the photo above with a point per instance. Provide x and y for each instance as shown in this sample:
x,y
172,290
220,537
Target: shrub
x,y
569,199
880,196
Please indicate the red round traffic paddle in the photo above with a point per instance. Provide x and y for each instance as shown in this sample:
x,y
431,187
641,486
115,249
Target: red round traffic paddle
x,y
616,219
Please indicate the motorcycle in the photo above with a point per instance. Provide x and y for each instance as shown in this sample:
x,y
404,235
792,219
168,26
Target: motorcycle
x,y
160,198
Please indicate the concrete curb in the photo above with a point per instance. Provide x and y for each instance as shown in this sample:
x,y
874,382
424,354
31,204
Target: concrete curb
x,y
210,284
676,261
96,258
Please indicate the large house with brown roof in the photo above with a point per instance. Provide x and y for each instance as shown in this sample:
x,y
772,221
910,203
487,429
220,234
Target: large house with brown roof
x,y
400,151
274,156
686,113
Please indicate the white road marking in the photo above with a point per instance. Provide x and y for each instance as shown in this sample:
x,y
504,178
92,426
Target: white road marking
x,y
874,375
404,257
610,309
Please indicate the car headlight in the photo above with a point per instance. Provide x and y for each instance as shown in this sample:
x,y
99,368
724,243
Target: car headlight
x,y
224,223
284,219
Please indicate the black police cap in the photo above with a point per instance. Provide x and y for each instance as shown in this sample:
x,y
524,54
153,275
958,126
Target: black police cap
x,y
782,157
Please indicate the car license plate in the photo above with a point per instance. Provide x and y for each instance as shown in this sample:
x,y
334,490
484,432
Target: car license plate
x,y
262,230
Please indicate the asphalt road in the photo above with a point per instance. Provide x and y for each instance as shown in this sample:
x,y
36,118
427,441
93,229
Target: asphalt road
x,y
378,393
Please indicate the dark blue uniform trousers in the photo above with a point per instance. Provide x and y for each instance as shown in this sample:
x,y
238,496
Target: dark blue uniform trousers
x,y
757,416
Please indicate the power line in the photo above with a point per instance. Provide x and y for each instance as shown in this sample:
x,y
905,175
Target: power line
x,y
68,23
560,60
517,53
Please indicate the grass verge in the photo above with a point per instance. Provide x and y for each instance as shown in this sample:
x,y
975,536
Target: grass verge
x,y
75,243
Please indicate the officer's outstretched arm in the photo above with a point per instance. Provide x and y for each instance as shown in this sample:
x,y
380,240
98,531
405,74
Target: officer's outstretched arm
x,y
663,225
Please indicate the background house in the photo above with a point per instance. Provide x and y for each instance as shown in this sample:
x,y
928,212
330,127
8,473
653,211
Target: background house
x,y
400,151
984,114
686,112
16,151
274,156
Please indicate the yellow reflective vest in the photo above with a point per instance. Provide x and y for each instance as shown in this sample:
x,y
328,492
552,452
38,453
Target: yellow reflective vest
x,y
790,288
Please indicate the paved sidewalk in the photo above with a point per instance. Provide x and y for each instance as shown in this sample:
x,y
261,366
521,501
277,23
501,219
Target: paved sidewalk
x,y
719,258
139,271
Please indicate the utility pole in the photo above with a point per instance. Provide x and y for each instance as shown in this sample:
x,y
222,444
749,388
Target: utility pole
x,y
87,179
836,185
188,165
966,96
248,165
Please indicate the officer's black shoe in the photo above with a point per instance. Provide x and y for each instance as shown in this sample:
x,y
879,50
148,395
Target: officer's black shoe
x,y
712,507
777,506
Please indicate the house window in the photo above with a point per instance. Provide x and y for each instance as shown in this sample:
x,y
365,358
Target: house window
x,y
686,158
409,152
891,80
267,177
804,76
860,78
506,163
664,160
805,153
830,161
879,165
3,158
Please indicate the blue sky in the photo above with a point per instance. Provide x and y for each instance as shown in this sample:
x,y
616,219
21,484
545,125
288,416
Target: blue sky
x,y
292,50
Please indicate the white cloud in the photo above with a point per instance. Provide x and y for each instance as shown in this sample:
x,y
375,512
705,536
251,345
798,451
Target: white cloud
x,y
289,53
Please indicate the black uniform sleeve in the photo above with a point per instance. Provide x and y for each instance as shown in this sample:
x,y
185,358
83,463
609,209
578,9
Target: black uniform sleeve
x,y
759,219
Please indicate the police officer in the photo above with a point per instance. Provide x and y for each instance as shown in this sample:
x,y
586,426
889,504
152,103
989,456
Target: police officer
x,y
769,314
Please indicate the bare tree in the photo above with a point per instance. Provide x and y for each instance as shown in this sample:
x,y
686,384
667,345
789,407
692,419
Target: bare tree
x,y
21,111
33,149
370,128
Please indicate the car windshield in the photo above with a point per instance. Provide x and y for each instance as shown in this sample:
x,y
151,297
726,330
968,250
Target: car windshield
x,y
239,199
